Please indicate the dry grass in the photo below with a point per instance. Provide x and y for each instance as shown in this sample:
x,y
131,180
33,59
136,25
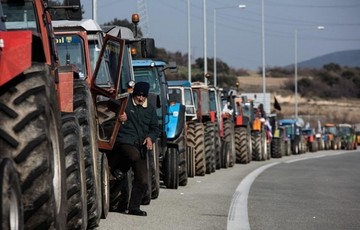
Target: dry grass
x,y
310,109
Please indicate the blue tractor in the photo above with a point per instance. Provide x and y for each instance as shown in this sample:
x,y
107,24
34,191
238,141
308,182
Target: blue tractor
x,y
294,134
169,165
181,92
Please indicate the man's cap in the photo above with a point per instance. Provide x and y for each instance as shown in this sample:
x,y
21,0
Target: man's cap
x,y
141,89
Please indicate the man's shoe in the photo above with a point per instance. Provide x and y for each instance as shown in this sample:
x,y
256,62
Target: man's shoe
x,y
137,212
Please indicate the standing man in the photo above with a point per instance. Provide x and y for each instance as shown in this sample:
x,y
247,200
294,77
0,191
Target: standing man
x,y
136,136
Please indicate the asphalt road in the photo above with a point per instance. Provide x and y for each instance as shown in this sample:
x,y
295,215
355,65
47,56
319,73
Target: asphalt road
x,y
310,191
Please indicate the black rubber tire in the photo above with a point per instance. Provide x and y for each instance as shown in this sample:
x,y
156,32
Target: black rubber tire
x,y
75,173
190,160
256,144
120,192
155,169
275,148
31,137
217,143
241,146
264,147
105,186
190,148
200,162
249,143
229,136
209,147
171,177
153,188
85,113
183,174
11,211
225,154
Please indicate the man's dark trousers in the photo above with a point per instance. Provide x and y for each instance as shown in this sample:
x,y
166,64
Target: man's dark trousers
x,y
124,157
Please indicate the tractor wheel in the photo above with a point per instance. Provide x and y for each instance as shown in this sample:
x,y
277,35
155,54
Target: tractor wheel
x,y
190,148
153,188
75,170
190,160
288,148
225,154
147,197
183,174
256,144
264,147
229,136
85,113
171,177
120,192
217,143
11,211
200,162
31,138
295,150
282,148
249,144
105,186
209,148
241,146
268,150
155,175
276,148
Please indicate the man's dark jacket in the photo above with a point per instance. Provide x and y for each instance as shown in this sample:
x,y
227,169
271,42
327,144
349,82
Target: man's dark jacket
x,y
141,122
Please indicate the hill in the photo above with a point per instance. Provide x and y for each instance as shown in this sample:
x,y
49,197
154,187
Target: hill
x,y
349,58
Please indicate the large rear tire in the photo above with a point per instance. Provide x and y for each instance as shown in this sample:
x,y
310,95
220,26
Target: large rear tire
x,y
225,154
105,186
155,169
190,148
11,211
171,177
200,161
209,148
31,136
229,136
75,173
241,146
85,113
257,146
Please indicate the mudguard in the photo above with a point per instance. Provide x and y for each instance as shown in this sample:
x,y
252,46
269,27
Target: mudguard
x,y
176,118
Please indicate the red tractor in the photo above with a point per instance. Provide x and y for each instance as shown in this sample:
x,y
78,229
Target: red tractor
x,y
51,111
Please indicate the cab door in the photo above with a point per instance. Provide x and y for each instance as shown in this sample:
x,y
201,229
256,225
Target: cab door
x,y
110,102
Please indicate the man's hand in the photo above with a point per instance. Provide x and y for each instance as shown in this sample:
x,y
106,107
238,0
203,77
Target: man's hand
x,y
148,143
123,118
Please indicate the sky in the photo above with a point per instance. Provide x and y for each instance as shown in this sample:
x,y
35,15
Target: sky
x,y
239,31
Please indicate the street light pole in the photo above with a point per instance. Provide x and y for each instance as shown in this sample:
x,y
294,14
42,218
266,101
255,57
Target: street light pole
x,y
215,66
215,45
205,43
189,42
296,76
94,10
263,50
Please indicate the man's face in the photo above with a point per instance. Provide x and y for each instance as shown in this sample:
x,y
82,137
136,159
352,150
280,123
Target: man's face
x,y
139,99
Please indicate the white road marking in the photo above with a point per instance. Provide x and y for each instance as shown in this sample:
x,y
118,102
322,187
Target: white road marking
x,y
238,214
238,218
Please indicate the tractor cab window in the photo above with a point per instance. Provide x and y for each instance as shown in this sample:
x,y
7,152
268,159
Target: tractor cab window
x,y
175,95
20,15
212,100
70,50
103,76
148,75
126,70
